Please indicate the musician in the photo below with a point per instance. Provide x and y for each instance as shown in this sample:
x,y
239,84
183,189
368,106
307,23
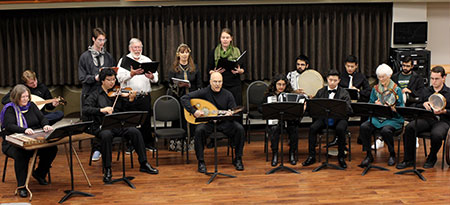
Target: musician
x,y
39,89
99,104
280,84
183,68
387,127
332,91
140,82
437,128
351,78
226,49
409,81
223,100
22,116
302,64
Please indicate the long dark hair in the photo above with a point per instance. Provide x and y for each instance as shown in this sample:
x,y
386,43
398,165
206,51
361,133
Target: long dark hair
x,y
273,85
176,63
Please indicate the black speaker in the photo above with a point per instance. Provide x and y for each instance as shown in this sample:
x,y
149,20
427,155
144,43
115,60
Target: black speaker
x,y
421,61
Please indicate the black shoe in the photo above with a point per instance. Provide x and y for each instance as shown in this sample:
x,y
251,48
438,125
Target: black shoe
x,y
23,192
107,176
404,164
310,160
342,163
359,141
238,164
391,161
366,161
292,158
333,143
431,161
201,167
210,144
146,167
41,180
274,158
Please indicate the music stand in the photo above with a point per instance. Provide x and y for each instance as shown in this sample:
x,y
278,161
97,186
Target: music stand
x,y
282,111
214,120
331,108
354,94
122,120
415,114
64,131
372,110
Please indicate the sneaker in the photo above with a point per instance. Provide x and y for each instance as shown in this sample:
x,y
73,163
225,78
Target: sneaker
x,y
417,142
380,144
96,156
129,150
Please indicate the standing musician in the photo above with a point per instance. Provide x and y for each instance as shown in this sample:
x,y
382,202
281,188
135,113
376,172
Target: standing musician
x,y
438,128
302,64
280,84
22,116
223,100
39,89
140,82
409,81
332,91
226,49
97,105
387,127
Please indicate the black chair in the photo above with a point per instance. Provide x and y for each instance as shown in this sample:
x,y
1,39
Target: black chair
x,y
397,136
116,141
332,132
255,98
427,135
166,109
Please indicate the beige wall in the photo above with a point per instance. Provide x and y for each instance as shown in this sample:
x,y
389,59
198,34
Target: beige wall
x,y
438,16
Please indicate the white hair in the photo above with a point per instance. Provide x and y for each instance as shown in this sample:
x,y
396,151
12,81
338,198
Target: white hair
x,y
384,69
133,41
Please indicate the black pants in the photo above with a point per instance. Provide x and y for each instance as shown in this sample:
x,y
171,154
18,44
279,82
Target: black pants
x,y
387,132
292,130
22,157
232,129
130,133
438,133
341,128
144,103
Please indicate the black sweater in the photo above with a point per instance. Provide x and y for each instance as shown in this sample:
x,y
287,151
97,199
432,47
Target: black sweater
x,y
34,117
223,99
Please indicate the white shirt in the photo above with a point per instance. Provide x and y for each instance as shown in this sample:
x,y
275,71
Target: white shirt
x,y
138,83
293,79
331,95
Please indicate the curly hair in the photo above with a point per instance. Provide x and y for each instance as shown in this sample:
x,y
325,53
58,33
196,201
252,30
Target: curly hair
x,y
273,85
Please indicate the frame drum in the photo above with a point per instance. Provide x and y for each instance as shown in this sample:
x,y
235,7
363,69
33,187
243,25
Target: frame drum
x,y
310,81
389,97
437,101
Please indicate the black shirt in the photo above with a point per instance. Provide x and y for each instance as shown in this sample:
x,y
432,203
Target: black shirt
x,y
229,79
223,100
445,91
34,117
40,90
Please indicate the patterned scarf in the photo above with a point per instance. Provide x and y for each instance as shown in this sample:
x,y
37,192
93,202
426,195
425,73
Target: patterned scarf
x,y
232,53
20,118
97,56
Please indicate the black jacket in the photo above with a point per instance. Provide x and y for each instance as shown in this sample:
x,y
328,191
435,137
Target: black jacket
x,y
341,94
359,81
445,91
415,83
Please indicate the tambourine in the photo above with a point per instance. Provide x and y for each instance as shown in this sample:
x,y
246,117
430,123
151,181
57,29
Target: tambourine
x,y
437,101
310,81
389,97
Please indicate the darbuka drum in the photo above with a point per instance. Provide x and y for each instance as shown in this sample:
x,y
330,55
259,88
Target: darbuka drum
x,y
310,81
389,97
437,101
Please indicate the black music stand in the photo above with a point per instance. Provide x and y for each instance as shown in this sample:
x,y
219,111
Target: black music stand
x,y
330,108
64,131
214,120
122,120
282,111
372,110
415,114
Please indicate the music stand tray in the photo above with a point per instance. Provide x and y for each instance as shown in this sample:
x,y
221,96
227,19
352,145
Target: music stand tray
x,y
214,120
415,114
122,120
330,108
282,111
64,131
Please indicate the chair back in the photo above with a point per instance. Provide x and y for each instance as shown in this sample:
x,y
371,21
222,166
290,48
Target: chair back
x,y
255,94
166,108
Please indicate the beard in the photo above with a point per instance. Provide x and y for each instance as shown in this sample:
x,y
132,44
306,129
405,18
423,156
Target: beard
x,y
407,73
136,56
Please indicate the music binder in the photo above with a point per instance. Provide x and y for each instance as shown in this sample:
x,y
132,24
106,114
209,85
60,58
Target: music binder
x,y
231,64
127,62
178,80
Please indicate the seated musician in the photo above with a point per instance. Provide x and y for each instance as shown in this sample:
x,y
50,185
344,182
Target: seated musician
x,y
438,128
409,81
332,91
22,116
96,106
351,78
223,100
302,64
39,89
280,84
387,127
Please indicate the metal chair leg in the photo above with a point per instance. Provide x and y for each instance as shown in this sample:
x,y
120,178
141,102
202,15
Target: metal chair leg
x,y
425,147
4,168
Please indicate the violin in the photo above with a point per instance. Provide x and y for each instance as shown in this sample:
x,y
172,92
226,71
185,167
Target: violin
x,y
123,92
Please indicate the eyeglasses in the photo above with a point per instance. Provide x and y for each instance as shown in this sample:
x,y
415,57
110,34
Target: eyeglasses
x,y
102,40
